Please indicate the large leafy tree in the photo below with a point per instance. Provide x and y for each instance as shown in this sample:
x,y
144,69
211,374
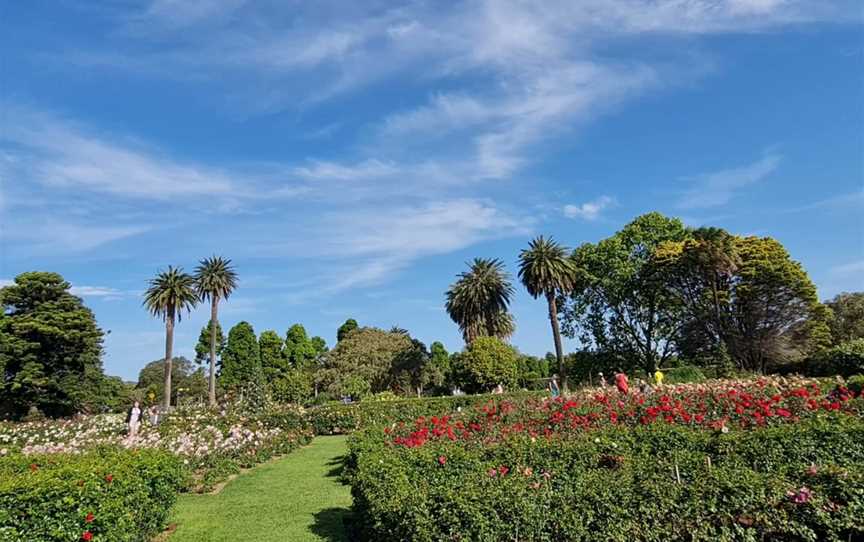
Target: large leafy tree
x,y
215,280
362,362
546,269
746,295
847,317
50,347
619,302
170,293
241,360
479,300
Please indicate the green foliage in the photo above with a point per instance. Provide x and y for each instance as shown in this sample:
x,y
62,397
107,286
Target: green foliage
x,y
293,386
202,348
337,418
532,372
847,317
744,295
620,302
478,301
50,347
363,362
856,384
489,362
241,360
215,279
346,328
638,484
301,352
48,498
187,382
438,368
846,359
271,349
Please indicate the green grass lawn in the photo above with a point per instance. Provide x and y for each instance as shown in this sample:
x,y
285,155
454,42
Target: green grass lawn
x,y
297,498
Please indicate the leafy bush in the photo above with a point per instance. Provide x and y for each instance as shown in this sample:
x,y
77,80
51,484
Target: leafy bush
x,y
336,418
856,384
489,361
213,444
802,481
107,494
845,360
683,374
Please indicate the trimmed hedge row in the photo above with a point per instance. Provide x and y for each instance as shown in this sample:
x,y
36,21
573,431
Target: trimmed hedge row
x,y
339,418
801,481
107,494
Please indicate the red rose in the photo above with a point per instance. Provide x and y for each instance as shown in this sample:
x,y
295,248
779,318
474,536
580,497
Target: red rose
x,y
442,460
89,518
87,535
109,478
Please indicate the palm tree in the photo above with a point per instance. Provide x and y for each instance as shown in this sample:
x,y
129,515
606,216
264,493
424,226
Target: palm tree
x,y
170,293
215,279
479,299
545,269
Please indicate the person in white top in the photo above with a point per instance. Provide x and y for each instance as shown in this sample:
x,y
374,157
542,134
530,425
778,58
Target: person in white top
x,y
133,421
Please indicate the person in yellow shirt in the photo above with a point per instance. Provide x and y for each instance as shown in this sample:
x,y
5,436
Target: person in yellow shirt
x,y
658,377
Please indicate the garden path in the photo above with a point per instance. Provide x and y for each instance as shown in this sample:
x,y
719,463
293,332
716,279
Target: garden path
x,y
295,499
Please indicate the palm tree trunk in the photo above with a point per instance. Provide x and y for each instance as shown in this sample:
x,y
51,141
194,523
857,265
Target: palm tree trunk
x,y
556,333
169,357
214,308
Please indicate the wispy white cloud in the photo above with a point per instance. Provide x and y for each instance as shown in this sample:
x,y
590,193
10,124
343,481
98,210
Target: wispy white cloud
x,y
847,269
61,237
47,149
590,210
104,292
365,247
719,187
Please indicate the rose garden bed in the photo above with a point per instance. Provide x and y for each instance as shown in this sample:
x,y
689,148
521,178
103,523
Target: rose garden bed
x,y
765,459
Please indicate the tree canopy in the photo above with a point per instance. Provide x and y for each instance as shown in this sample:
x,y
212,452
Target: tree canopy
x,y
50,347
619,303
363,362
847,317
241,360
479,300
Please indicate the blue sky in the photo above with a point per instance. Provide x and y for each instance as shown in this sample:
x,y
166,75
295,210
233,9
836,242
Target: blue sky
x,y
351,156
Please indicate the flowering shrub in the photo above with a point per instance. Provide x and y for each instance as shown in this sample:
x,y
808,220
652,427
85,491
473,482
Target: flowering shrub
x,y
212,445
105,494
766,459
337,418
715,405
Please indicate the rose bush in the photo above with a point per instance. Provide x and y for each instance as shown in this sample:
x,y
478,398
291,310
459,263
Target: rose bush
x,y
211,444
105,494
765,459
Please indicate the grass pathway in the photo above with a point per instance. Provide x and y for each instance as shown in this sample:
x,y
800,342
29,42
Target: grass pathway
x,y
297,498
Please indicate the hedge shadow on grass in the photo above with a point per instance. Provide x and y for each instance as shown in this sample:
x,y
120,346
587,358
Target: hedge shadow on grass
x,y
333,525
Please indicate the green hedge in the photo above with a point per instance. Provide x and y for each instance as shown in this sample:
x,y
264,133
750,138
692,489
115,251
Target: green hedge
x,y
846,360
338,418
800,481
114,495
